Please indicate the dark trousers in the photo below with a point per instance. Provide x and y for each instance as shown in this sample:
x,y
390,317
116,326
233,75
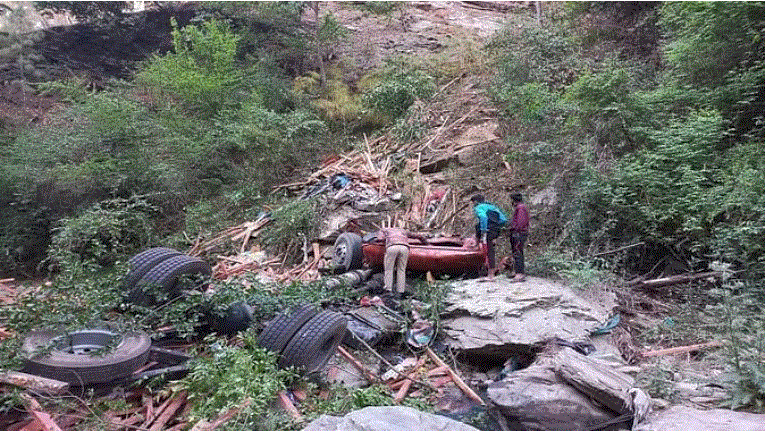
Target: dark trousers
x,y
492,233
518,250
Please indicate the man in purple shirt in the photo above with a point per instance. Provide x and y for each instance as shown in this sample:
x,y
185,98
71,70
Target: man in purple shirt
x,y
518,235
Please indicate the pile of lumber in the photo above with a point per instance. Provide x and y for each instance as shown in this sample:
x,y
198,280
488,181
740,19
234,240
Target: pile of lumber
x,y
418,376
241,234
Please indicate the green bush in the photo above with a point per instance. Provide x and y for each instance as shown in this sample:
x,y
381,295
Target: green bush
x,y
201,71
398,90
222,377
543,55
663,189
104,234
718,48
605,108
293,226
530,102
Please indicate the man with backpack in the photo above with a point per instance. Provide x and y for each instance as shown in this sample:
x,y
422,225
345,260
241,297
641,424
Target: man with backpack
x,y
490,220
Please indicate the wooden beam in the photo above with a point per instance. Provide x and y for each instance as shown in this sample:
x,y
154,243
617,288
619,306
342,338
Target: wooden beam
x,y
34,383
372,378
458,381
43,418
682,349
288,406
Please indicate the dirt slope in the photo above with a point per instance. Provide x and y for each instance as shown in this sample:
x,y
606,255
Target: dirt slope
x,y
463,148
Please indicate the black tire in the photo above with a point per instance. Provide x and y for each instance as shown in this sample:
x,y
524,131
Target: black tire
x,y
71,359
347,251
143,262
284,326
165,277
312,346
236,318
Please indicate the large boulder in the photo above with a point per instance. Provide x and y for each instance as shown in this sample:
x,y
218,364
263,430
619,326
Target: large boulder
x,y
564,390
540,400
680,418
387,419
487,316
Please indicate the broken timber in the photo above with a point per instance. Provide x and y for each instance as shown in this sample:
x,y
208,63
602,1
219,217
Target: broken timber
x,y
34,383
681,349
675,279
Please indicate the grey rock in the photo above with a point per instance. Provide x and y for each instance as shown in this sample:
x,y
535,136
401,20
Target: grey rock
x,y
541,400
487,314
680,418
387,419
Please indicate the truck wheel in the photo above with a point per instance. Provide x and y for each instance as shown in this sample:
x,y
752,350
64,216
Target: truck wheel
x,y
312,346
143,262
347,251
85,357
236,318
281,329
170,276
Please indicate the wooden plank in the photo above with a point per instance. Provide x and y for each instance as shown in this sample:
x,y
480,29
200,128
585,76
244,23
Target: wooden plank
x,y
288,406
168,412
43,418
676,279
34,383
372,378
32,425
458,381
682,349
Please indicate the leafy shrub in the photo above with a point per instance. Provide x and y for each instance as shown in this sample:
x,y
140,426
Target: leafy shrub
x,y
581,274
543,55
663,189
530,102
222,377
412,126
605,109
398,90
293,224
718,48
104,234
201,71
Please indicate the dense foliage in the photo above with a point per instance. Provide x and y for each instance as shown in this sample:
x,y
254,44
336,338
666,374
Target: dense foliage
x,y
661,143
671,157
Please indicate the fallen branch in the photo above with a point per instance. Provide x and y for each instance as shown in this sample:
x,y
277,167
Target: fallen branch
x,y
34,383
676,279
619,249
460,383
681,349
167,413
372,378
204,425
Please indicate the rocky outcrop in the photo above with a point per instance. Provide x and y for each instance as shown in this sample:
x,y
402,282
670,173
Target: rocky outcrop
x,y
487,316
387,419
566,391
679,418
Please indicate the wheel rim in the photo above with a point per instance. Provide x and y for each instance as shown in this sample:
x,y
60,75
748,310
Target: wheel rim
x,y
89,342
340,253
